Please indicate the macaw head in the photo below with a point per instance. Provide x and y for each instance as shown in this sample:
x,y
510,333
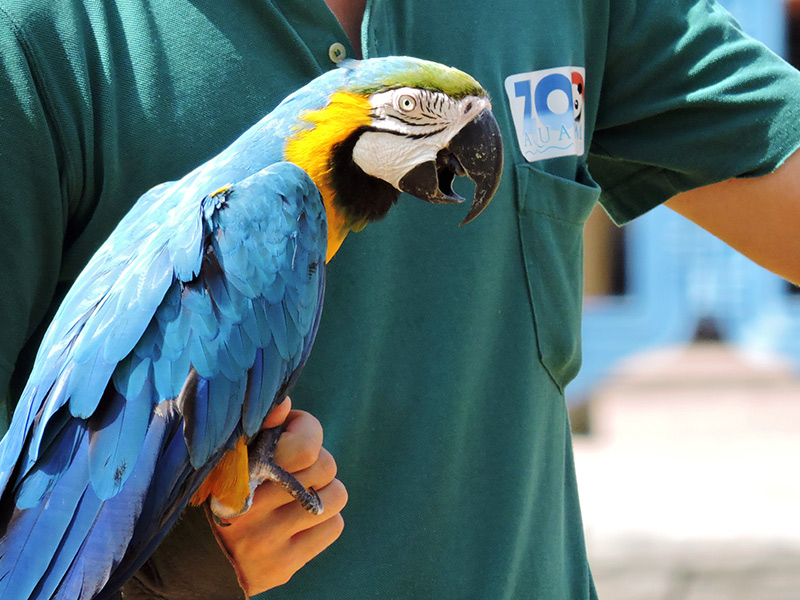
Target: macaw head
x,y
397,124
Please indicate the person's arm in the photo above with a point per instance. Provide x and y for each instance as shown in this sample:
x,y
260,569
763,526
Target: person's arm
x,y
759,217
269,543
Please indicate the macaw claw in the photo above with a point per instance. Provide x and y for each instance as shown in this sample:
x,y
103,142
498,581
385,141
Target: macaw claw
x,y
260,455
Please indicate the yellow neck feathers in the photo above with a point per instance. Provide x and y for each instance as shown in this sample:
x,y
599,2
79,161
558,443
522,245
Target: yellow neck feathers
x,y
311,150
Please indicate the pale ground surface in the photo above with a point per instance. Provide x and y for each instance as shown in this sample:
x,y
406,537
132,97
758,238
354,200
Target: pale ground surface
x,y
690,481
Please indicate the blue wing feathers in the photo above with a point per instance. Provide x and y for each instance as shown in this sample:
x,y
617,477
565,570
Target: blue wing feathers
x,y
130,375
240,348
215,420
277,325
201,357
266,379
199,428
170,308
170,374
95,330
186,253
294,340
57,397
274,290
87,383
235,261
250,328
174,335
116,434
227,367
250,404
177,339
139,298
36,481
262,323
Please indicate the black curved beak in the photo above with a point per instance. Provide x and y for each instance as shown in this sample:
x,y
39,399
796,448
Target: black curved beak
x,y
475,152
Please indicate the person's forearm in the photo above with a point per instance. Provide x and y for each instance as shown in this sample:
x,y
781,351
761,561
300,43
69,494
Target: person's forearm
x,y
760,216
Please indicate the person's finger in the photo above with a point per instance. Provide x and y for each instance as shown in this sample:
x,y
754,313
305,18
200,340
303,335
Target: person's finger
x,y
278,414
334,499
299,446
311,542
321,473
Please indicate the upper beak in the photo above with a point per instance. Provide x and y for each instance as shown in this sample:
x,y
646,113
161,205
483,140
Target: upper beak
x,y
475,152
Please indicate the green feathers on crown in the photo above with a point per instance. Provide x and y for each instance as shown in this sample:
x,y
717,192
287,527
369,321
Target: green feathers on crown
x,y
412,72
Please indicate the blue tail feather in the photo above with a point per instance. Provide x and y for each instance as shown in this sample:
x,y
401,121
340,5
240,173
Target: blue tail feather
x,y
71,543
37,532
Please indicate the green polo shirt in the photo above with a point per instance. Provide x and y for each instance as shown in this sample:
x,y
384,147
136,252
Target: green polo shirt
x,y
440,365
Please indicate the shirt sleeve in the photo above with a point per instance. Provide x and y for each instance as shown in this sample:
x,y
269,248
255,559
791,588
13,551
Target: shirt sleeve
x,y
687,100
31,214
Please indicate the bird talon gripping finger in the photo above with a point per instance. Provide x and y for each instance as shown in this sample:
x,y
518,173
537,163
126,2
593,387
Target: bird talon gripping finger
x,y
198,313
262,468
261,454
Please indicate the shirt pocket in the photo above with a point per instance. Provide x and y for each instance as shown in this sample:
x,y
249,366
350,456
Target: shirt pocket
x,y
551,215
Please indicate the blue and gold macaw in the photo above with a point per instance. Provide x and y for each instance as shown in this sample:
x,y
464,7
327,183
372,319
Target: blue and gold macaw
x,y
197,314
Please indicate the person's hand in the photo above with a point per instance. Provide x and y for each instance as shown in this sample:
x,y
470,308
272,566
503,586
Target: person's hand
x,y
276,537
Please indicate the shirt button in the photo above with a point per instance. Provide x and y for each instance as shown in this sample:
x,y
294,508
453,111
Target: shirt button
x,y
337,52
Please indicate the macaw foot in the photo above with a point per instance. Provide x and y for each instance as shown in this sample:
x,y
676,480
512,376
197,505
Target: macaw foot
x,y
262,467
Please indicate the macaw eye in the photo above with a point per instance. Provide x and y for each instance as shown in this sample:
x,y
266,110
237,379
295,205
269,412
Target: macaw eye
x,y
407,103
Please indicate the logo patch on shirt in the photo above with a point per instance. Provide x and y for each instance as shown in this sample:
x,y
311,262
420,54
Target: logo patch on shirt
x,y
547,107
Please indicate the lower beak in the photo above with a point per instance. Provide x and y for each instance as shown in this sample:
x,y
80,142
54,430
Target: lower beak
x,y
475,152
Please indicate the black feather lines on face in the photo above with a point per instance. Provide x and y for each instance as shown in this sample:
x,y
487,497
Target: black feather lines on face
x,y
362,197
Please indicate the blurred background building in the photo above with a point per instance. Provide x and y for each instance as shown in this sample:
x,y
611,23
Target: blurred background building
x,y
686,412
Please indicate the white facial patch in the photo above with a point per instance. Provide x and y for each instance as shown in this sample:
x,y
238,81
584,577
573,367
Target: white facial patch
x,y
410,127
